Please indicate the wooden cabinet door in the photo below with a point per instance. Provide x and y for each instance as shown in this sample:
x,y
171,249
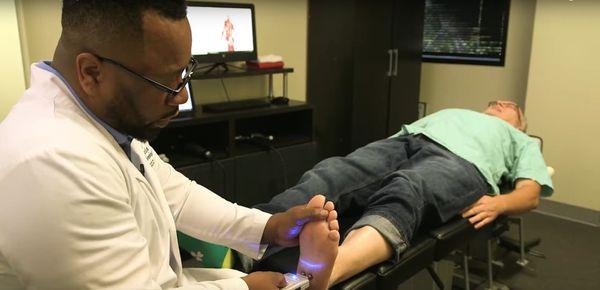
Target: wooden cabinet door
x,y
372,70
407,37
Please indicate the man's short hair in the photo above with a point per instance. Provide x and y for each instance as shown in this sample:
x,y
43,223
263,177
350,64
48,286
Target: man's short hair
x,y
97,21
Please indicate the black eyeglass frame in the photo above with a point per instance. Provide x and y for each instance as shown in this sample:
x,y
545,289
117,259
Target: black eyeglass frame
x,y
511,104
189,71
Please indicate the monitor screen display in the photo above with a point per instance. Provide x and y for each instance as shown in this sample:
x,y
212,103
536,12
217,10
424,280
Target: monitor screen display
x,y
189,105
222,32
470,32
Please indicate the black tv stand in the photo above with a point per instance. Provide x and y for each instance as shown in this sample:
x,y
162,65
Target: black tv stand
x,y
236,105
239,169
225,67
212,72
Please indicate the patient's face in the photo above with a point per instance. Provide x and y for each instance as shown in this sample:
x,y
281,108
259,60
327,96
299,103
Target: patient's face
x,y
505,110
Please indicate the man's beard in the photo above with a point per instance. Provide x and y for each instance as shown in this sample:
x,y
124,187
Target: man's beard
x,y
143,133
130,120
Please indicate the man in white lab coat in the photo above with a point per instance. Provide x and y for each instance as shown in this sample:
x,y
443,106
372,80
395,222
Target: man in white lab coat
x,y
85,203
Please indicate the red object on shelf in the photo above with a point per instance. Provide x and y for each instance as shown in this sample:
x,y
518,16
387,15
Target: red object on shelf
x,y
264,65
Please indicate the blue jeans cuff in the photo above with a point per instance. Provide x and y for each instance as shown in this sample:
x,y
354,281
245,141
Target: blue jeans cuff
x,y
389,232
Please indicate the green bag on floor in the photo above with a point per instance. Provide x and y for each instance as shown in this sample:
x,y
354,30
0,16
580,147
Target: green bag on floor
x,y
209,255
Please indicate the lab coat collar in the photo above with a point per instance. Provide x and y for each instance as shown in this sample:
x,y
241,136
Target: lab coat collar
x,y
122,139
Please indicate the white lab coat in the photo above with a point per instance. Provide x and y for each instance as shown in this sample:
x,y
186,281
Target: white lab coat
x,y
76,213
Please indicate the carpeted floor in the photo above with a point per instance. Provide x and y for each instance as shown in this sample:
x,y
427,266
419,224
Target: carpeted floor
x,y
572,260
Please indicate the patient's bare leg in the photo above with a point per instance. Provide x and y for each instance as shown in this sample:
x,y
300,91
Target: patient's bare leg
x,y
319,246
362,248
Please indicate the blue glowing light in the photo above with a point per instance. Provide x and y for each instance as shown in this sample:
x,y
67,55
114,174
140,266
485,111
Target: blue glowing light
x,y
294,231
310,266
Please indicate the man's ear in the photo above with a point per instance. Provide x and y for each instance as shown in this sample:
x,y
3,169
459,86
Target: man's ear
x,y
87,68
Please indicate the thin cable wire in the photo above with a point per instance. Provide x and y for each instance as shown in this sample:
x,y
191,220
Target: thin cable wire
x,y
225,89
224,172
283,166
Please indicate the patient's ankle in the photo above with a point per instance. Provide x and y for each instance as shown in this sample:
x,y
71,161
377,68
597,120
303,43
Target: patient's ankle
x,y
362,248
346,265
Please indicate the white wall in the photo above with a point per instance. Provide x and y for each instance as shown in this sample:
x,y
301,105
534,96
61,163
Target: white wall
x,y
281,29
12,80
563,97
473,86
39,24
557,69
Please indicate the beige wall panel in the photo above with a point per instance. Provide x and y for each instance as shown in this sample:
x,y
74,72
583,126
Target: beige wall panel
x,y
472,86
39,21
563,97
12,79
281,29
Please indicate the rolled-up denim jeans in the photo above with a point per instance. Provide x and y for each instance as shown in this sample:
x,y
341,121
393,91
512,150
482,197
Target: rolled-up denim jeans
x,y
393,185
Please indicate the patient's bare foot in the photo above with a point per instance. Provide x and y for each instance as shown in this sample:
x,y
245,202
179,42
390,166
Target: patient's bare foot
x,y
319,246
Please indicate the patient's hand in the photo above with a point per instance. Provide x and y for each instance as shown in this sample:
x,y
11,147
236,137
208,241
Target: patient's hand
x,y
484,211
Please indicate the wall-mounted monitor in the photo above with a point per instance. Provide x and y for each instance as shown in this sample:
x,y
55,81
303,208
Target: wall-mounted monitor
x,y
222,32
466,31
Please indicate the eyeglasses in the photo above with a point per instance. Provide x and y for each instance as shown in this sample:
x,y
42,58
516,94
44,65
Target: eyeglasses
x,y
186,76
504,104
508,104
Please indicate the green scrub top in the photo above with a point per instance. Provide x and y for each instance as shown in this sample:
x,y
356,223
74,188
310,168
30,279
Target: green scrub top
x,y
497,149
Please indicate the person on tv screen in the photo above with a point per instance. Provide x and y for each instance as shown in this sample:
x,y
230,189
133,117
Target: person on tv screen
x,y
228,34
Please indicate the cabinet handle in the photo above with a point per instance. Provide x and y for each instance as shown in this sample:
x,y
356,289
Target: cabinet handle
x,y
390,60
396,62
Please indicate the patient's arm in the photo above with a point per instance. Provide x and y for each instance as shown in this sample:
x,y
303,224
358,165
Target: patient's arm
x,y
524,198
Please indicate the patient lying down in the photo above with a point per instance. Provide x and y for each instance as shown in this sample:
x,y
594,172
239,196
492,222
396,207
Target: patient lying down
x,y
445,164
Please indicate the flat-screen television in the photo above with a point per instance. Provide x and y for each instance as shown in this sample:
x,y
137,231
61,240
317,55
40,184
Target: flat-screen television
x,y
466,31
222,32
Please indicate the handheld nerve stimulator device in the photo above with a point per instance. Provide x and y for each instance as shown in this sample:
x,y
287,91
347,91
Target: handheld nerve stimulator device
x,y
295,282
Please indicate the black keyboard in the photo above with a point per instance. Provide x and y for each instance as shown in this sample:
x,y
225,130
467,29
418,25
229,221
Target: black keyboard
x,y
235,105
